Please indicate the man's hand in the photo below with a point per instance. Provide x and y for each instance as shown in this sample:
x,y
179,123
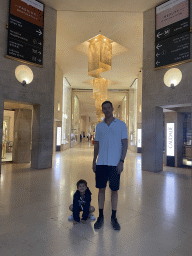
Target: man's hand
x,y
94,166
120,167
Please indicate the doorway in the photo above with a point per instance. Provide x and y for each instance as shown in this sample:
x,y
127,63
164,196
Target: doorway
x,y
7,137
17,132
177,136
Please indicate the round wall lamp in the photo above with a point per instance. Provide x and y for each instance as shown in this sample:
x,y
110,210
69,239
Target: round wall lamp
x,y
172,77
24,74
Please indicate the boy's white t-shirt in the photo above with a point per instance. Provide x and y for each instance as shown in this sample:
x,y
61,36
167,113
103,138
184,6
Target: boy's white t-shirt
x,y
110,144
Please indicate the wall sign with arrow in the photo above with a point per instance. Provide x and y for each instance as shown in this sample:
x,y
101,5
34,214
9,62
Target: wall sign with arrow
x,y
172,50
172,33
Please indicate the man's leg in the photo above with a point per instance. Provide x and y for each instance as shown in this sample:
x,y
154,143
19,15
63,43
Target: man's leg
x,y
114,200
101,201
101,176
114,182
101,198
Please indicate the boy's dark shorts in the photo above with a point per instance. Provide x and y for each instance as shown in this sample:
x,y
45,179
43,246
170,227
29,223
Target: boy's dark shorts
x,y
104,173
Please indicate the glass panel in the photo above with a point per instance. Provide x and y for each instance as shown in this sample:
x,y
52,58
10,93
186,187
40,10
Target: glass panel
x,y
66,112
75,119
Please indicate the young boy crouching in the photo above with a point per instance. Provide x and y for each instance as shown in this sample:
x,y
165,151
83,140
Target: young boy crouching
x,y
81,202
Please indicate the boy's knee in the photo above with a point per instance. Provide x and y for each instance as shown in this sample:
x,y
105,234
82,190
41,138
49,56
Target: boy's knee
x,y
92,209
71,207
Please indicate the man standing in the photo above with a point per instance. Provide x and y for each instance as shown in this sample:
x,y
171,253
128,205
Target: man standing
x,y
111,142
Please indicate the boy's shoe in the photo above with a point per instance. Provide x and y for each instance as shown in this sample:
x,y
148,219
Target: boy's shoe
x,y
71,217
99,222
91,216
115,224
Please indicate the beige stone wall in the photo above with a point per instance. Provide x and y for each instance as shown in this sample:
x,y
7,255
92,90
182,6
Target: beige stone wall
x,y
155,94
58,95
40,92
139,100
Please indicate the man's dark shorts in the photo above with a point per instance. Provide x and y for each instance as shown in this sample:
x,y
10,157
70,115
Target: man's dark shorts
x,y
104,173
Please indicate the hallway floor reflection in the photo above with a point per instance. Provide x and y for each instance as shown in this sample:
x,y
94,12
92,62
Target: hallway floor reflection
x,y
154,210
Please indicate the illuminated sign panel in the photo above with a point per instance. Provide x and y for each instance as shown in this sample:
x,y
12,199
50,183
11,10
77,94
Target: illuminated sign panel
x,y
139,138
58,136
170,139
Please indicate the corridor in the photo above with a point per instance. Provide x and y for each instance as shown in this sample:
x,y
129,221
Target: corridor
x,y
154,210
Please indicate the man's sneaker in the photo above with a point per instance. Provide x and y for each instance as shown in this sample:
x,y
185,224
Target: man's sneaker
x,y
71,217
91,216
115,224
99,222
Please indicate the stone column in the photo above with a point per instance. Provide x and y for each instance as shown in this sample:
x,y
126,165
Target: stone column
x,y
22,136
179,140
158,139
35,137
42,137
152,137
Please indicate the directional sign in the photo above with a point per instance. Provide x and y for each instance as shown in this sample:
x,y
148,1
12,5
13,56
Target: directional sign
x,y
25,38
25,33
24,51
25,26
172,50
172,17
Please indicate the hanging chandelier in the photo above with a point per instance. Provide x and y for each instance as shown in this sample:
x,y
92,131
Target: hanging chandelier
x,y
100,59
100,55
99,52
100,86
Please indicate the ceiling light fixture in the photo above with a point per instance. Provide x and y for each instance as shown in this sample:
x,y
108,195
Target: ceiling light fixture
x,y
100,55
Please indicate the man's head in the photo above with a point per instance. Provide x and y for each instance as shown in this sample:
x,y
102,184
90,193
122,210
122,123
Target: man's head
x,y
107,108
82,186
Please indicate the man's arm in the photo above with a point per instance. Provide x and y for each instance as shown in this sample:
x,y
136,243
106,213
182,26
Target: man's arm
x,y
124,148
96,151
123,154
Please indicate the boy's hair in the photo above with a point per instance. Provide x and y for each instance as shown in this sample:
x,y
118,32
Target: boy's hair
x,y
80,182
105,102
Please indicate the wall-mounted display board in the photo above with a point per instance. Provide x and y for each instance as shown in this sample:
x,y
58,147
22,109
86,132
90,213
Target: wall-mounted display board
x,y
25,31
172,17
172,50
172,32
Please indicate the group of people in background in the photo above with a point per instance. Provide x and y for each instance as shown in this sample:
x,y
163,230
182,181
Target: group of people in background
x,y
90,137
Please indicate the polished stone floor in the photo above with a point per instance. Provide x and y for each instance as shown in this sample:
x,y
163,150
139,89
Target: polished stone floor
x,y
154,210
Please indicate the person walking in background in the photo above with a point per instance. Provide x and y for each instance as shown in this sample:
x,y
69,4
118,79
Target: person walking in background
x,y
111,143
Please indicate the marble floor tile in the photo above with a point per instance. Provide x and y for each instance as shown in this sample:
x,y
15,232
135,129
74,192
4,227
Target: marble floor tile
x,y
154,210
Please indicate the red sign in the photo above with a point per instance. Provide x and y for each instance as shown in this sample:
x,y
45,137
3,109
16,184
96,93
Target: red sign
x,y
29,10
